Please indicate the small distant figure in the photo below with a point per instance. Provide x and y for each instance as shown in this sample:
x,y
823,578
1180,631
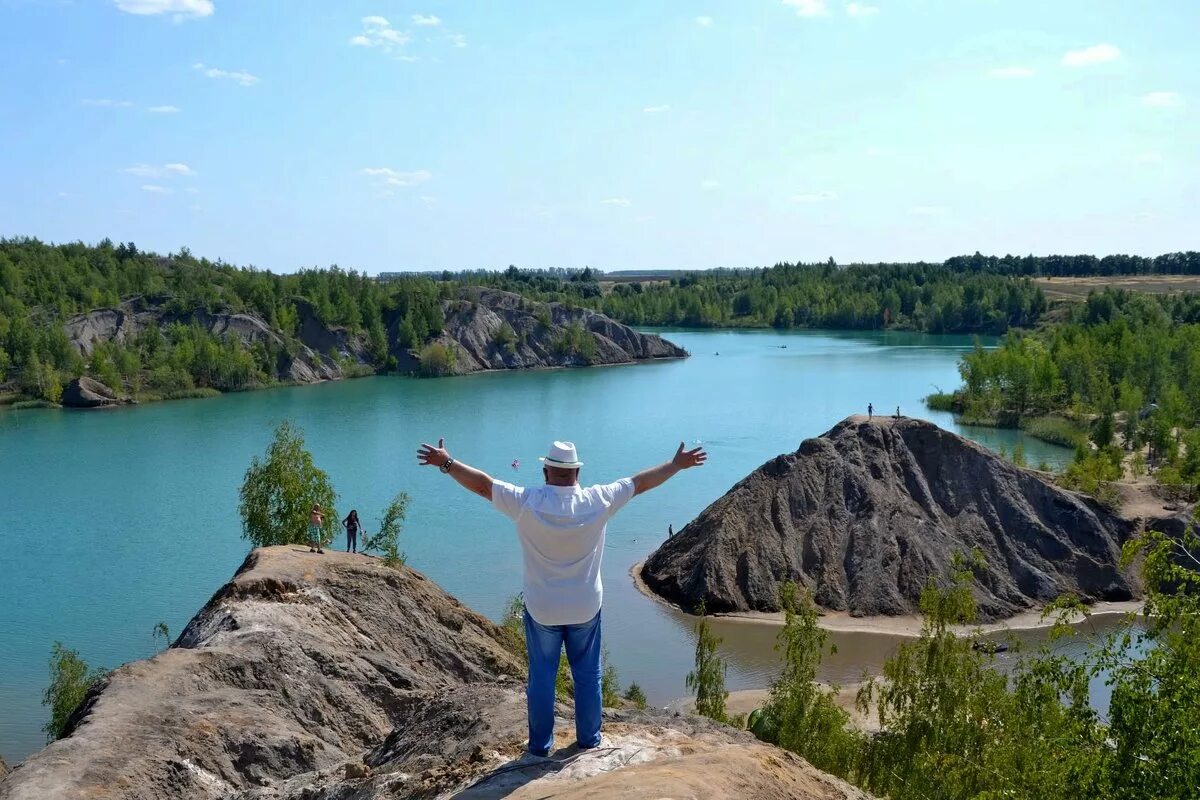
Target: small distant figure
x,y
870,411
670,531
897,412
516,465
352,526
718,352
315,520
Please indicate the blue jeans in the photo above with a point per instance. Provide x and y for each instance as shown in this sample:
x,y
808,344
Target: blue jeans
x,y
544,643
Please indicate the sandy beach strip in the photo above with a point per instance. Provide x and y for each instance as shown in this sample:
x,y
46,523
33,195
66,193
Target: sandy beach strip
x,y
908,625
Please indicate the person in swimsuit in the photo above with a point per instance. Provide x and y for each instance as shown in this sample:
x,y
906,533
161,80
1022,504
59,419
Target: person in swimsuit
x,y
352,526
316,519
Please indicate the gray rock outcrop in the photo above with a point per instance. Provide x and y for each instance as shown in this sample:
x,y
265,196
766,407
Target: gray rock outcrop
x,y
333,677
85,392
3,767
474,322
866,514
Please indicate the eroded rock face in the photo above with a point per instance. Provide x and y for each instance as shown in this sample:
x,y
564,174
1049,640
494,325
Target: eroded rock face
x,y
85,392
333,677
473,322
866,514
3,767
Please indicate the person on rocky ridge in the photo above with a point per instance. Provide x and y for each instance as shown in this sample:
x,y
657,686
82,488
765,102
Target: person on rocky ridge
x,y
352,526
561,527
315,520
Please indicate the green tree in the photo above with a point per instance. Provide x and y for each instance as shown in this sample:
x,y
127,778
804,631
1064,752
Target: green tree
x,y
70,680
635,695
279,491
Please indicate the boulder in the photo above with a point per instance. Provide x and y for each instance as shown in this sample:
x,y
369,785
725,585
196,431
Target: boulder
x,y
866,514
334,676
85,392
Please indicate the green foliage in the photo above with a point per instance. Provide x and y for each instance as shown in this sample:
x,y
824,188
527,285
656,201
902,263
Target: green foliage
x,y
610,687
804,718
162,634
506,338
1054,429
707,680
437,360
386,541
279,491
942,401
70,680
1018,455
1093,472
575,341
635,695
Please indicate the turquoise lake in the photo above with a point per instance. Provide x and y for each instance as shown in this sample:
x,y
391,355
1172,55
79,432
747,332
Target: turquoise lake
x,y
114,521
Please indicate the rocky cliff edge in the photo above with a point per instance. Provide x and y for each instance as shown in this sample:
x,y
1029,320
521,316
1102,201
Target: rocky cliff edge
x,y
333,677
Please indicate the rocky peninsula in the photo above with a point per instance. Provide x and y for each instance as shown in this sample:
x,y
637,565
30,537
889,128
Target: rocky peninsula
x,y
866,514
336,677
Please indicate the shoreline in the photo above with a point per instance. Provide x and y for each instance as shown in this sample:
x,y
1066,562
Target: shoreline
x,y
907,626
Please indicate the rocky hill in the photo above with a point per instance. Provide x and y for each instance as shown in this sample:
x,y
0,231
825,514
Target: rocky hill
x,y
333,677
542,335
864,515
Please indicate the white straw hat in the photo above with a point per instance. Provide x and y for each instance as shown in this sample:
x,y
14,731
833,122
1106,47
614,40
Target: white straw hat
x,y
562,454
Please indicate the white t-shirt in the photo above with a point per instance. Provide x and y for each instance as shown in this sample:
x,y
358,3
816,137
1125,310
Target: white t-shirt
x,y
561,529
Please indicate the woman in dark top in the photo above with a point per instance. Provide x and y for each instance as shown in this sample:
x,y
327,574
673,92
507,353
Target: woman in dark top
x,y
351,525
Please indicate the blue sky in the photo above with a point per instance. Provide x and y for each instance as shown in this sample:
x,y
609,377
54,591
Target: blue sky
x,y
450,134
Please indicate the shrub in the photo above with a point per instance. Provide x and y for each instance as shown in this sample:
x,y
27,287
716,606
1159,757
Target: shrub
x,y
942,401
506,338
437,360
635,695
386,540
707,680
70,680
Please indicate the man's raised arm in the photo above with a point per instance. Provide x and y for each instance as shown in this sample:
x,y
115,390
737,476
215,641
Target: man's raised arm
x,y
650,478
476,480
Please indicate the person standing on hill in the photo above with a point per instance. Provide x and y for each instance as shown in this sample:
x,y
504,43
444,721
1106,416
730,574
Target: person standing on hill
x,y
870,411
315,520
352,526
561,527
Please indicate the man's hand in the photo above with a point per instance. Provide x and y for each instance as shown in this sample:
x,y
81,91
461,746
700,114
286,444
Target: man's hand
x,y
430,456
685,459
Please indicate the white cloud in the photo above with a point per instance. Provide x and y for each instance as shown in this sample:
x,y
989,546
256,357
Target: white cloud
x,y
704,22
106,103
927,211
813,197
457,39
378,32
181,9
1011,72
1149,157
420,19
192,190
241,78
656,109
808,8
166,170
710,184
861,10
1162,99
155,189
1087,56
622,202
164,109
386,176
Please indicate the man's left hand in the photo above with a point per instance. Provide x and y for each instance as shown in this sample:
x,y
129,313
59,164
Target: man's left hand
x,y
430,456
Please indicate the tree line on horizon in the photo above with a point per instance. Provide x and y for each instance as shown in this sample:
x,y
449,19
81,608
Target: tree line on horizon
x,y
42,285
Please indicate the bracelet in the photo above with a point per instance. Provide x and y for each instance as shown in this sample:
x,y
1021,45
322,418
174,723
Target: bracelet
x,y
446,467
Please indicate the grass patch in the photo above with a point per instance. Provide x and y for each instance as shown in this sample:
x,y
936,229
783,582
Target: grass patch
x,y
1056,430
33,404
185,394
942,401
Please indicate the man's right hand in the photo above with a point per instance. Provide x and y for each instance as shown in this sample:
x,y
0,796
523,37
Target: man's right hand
x,y
430,456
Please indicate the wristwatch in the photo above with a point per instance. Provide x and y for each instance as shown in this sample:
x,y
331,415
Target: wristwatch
x,y
446,467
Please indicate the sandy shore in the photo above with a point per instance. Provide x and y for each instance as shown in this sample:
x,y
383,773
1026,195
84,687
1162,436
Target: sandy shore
x,y
907,626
